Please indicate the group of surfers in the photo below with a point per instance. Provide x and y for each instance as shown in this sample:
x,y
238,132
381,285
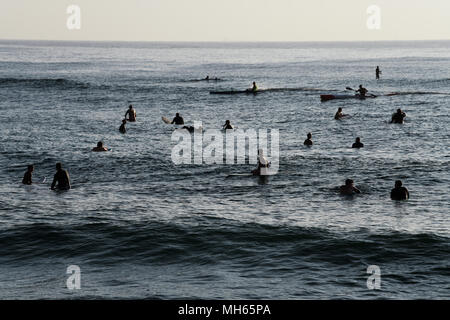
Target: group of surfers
x,y
61,178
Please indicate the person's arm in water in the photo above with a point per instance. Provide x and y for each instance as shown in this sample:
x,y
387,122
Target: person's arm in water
x,y
355,189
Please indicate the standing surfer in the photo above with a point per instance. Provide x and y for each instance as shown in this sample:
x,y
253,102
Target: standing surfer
x,y
377,72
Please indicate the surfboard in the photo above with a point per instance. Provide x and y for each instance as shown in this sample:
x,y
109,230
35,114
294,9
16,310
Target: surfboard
x,y
166,120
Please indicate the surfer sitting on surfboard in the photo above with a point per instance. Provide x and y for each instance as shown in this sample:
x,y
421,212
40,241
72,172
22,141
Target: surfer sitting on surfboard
x,y
178,119
27,178
61,179
262,163
308,142
398,117
99,147
131,114
227,125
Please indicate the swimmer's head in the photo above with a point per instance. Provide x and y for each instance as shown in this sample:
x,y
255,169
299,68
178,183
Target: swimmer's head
x,y
58,166
358,139
339,109
177,114
349,182
130,107
309,135
227,122
399,110
31,168
398,184
124,121
99,144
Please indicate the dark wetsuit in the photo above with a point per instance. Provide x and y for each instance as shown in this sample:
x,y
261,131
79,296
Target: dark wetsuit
x,y
228,126
398,117
357,145
178,120
122,128
400,193
27,178
308,142
131,115
62,178
377,73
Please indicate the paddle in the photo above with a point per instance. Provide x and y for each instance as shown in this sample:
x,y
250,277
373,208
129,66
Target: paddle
x,y
372,95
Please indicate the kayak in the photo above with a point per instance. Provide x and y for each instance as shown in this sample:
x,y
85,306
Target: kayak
x,y
326,97
248,91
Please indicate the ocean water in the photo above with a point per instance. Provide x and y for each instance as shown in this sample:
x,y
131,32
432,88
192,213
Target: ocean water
x,y
139,226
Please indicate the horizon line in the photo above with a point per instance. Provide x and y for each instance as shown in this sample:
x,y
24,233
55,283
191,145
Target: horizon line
x,y
222,41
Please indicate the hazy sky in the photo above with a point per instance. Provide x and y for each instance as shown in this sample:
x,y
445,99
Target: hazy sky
x,y
225,20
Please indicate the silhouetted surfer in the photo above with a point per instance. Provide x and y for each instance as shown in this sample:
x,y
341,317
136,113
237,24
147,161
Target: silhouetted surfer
x,y
28,177
339,115
399,192
122,127
362,91
61,180
227,125
178,119
377,72
100,147
308,142
254,88
348,188
398,117
358,143
131,114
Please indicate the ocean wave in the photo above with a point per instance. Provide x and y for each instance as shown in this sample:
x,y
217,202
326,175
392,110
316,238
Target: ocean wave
x,y
209,242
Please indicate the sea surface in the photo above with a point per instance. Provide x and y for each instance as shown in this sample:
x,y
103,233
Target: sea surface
x,y
140,227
